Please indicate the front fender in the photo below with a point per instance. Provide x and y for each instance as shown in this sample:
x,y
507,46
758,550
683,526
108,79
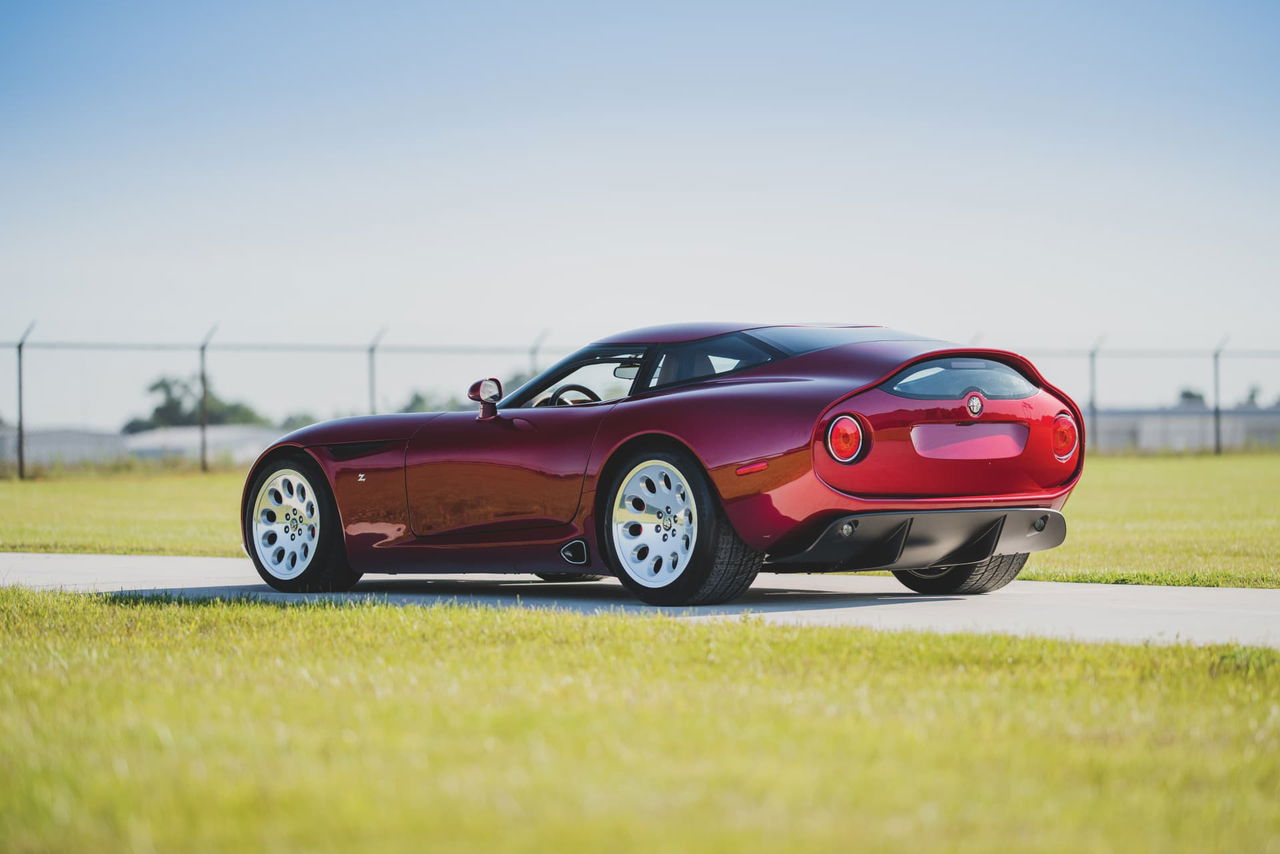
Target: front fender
x,y
372,510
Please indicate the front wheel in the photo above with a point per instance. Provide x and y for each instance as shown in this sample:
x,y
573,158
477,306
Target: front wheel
x,y
666,536
292,531
992,574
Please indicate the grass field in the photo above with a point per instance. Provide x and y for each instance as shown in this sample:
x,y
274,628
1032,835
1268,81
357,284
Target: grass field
x,y
161,726
1211,521
150,513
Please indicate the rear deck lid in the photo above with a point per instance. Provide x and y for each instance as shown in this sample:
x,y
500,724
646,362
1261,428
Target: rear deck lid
x,y
952,425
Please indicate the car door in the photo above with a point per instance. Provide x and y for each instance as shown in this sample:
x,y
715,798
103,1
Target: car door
x,y
521,469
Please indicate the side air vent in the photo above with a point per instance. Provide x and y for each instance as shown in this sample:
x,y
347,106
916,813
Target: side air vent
x,y
352,450
574,552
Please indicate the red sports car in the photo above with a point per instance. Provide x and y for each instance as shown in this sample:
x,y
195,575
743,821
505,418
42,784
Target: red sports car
x,y
685,460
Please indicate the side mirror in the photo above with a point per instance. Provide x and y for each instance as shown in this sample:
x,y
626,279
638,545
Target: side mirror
x,y
487,393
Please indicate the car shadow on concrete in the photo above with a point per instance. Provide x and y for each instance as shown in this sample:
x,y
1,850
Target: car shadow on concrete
x,y
577,597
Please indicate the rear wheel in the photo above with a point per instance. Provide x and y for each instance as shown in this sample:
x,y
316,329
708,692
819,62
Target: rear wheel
x,y
568,576
666,536
292,530
992,574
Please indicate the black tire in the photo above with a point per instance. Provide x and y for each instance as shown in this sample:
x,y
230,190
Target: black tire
x,y
721,566
328,571
992,574
568,576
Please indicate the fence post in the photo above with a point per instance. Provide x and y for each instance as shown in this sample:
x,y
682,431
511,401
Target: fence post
x,y
204,402
1217,397
533,352
373,371
22,424
1091,429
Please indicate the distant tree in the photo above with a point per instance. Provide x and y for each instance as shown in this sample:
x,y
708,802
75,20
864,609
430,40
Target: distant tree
x,y
516,380
420,402
297,420
1189,398
179,406
1251,401
417,402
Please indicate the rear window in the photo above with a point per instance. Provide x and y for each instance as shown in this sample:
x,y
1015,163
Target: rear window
x,y
952,379
706,358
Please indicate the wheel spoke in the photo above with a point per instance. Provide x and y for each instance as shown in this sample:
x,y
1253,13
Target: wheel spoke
x,y
286,524
654,523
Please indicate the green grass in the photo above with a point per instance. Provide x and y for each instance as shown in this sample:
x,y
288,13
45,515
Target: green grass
x,y
130,725
1135,520
1212,521
149,513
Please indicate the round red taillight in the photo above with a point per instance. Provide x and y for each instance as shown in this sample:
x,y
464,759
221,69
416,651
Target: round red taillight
x,y
844,438
1065,437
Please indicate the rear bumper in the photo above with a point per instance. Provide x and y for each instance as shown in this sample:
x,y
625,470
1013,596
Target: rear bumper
x,y
922,539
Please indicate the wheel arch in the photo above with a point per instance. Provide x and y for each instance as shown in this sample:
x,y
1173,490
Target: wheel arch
x,y
651,440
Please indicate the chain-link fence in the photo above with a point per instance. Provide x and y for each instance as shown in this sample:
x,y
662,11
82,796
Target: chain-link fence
x,y
359,378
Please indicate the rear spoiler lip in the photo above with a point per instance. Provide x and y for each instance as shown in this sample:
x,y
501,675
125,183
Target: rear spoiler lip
x,y
1015,360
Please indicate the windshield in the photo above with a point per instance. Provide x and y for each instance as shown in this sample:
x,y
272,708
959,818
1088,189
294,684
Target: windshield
x,y
593,375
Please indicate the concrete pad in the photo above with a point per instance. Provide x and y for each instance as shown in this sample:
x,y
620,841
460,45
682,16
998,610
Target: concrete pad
x,y
1090,612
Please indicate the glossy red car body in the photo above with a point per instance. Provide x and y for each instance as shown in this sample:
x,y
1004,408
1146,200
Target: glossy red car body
x,y
442,492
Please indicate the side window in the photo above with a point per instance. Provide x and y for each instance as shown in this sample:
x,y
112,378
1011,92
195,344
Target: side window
x,y
700,359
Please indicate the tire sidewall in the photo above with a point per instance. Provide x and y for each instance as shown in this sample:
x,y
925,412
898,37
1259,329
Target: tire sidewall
x,y
568,577
330,561
969,580
701,559
946,583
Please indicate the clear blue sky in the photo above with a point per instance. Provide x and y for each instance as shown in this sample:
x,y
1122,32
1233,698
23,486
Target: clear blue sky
x,y
1036,173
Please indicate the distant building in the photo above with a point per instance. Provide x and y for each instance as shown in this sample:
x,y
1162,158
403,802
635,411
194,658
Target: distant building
x,y
237,443
1118,430
46,447
1182,429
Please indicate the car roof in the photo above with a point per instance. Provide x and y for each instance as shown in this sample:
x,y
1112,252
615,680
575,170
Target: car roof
x,y
674,333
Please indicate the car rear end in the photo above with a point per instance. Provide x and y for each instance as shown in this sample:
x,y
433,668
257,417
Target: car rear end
x,y
956,457
962,424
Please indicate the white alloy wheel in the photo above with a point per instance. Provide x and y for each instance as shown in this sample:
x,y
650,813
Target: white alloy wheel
x,y
655,523
286,524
